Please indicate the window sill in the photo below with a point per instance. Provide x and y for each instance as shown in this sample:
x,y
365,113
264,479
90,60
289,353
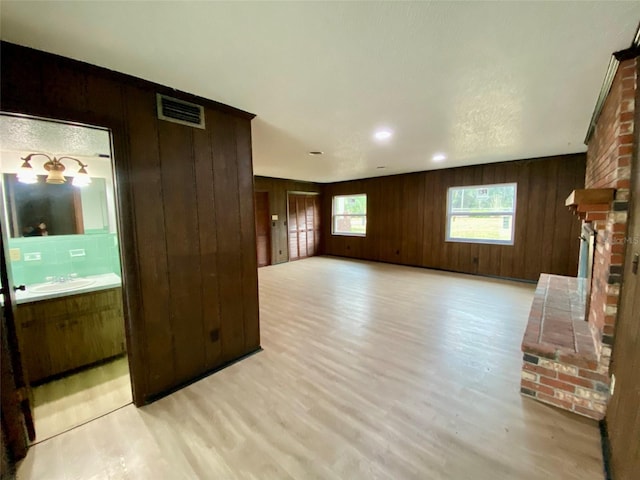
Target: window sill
x,y
481,242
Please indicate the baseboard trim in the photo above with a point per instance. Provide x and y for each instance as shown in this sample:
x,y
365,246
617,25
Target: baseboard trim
x,y
152,398
73,371
410,265
606,449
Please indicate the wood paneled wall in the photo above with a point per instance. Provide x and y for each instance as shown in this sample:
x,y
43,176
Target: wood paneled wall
x,y
406,216
185,199
277,189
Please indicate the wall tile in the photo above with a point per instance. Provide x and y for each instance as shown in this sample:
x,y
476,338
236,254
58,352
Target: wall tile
x,y
101,256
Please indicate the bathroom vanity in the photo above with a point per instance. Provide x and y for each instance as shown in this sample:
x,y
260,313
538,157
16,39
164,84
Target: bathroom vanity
x,y
61,331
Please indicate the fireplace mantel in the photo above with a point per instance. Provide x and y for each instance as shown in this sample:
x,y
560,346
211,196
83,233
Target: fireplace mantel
x,y
591,203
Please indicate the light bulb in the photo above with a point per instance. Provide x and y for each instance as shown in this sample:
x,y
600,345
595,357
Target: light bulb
x,y
383,134
26,174
82,178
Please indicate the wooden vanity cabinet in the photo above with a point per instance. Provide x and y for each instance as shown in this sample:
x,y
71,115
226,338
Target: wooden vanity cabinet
x,y
66,333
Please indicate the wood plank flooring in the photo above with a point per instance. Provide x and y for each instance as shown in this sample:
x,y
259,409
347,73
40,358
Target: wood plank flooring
x,y
369,371
78,398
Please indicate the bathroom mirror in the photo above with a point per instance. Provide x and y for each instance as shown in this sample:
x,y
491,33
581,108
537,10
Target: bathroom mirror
x,y
42,209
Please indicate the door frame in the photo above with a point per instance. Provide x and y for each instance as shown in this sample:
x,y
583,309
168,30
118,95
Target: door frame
x,y
295,192
122,172
269,223
15,403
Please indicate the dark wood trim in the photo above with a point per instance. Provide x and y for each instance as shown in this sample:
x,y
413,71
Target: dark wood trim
x,y
617,57
627,53
73,371
124,78
153,398
633,51
15,417
288,180
77,211
606,449
15,225
263,221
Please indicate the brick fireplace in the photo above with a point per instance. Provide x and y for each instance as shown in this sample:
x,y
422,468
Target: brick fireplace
x,y
609,166
567,344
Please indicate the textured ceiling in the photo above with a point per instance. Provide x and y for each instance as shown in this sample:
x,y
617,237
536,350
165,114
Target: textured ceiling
x,y
36,136
479,81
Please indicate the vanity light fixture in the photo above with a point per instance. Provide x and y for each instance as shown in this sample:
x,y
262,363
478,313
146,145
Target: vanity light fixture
x,y
55,168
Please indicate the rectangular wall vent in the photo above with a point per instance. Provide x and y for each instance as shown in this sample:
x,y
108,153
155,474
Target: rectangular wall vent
x,y
179,111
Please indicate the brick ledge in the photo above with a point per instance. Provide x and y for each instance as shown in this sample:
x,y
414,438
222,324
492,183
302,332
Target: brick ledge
x,y
560,363
557,329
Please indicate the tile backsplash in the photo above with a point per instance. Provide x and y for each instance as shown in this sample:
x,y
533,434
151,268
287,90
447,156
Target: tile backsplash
x,y
34,259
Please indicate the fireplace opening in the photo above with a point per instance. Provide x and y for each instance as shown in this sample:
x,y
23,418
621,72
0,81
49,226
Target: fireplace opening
x,y
587,253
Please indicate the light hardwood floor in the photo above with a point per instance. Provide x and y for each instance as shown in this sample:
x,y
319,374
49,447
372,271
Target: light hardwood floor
x,y
78,398
368,371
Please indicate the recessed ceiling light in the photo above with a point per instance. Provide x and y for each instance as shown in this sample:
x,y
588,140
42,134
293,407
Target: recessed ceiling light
x,y
316,152
383,134
439,157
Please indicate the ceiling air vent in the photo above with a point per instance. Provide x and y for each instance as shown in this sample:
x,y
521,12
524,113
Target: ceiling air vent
x,y
179,111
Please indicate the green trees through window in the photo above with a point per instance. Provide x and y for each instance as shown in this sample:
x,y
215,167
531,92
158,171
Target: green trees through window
x,y
349,215
482,214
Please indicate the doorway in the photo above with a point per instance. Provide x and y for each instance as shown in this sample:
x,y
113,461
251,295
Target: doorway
x,y
303,220
263,229
59,209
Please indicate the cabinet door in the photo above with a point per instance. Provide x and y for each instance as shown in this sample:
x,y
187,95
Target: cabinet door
x,y
67,333
101,337
64,344
32,336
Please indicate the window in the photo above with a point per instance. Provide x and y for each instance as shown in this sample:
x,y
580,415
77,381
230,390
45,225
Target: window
x,y
349,215
482,213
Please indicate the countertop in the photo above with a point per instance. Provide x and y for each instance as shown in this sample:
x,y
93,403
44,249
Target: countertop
x,y
100,282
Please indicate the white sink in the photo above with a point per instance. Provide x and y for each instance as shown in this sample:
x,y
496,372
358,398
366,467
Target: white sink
x,y
67,286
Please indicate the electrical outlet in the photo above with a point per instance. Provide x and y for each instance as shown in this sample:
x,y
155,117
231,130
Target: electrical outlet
x,y
612,388
214,335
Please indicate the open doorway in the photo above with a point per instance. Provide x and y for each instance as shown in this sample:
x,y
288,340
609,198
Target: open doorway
x,y
263,228
61,228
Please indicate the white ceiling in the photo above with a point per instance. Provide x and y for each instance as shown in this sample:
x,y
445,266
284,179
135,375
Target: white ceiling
x,y
481,82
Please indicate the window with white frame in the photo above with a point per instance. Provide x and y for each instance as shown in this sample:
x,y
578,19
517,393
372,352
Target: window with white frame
x,y
482,214
349,215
